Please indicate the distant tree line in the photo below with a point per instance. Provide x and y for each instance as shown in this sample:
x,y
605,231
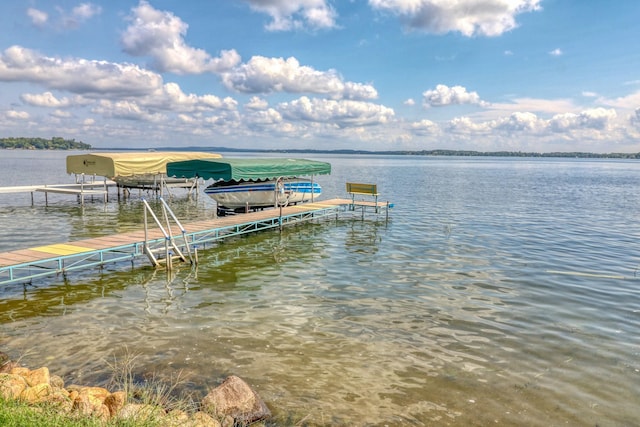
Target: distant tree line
x,y
55,143
574,154
458,153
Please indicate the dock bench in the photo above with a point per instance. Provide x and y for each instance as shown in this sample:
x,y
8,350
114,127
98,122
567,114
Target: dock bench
x,y
354,188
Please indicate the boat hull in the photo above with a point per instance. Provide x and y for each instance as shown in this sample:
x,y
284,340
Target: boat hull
x,y
257,195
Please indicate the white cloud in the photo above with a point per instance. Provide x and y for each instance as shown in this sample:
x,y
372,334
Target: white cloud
x,y
634,118
38,17
527,131
85,11
444,95
172,98
343,113
80,14
425,127
556,52
627,102
17,115
464,125
262,118
519,122
269,75
296,14
160,35
60,114
469,17
127,110
596,118
540,106
410,102
18,64
65,19
257,103
46,99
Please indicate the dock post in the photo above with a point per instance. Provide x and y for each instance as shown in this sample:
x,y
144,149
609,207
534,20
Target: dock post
x,y
82,191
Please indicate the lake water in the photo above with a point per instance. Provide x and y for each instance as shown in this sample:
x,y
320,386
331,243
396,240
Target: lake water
x,y
502,291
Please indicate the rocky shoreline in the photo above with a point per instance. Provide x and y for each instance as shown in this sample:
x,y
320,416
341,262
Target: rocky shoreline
x,y
232,403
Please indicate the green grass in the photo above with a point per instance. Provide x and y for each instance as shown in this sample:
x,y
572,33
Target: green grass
x,y
155,392
16,414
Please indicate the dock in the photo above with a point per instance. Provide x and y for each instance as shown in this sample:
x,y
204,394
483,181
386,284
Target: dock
x,y
80,189
24,265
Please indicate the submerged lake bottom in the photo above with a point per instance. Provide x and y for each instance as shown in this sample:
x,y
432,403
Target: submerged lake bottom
x,y
500,292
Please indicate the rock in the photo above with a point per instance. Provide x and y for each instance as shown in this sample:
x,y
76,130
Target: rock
x,y
202,419
236,398
140,413
179,418
11,386
176,418
19,370
90,401
60,397
97,393
73,394
115,402
37,377
36,394
6,365
56,381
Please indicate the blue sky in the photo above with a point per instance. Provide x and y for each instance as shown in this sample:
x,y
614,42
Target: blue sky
x,y
487,75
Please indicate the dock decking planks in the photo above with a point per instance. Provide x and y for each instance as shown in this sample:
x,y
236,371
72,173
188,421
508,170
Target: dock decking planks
x,y
31,257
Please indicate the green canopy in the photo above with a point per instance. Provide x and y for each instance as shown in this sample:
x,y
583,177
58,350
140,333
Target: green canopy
x,y
247,169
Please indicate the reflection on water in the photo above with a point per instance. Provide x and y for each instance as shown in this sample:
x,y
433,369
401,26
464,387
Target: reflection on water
x,y
446,315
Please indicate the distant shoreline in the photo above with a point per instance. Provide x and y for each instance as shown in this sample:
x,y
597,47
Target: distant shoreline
x,y
440,152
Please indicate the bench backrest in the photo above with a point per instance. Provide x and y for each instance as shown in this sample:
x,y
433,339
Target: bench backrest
x,y
357,188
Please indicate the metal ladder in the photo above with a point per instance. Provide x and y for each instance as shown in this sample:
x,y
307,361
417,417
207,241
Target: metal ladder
x,y
169,241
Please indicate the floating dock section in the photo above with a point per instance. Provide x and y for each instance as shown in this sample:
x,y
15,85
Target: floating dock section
x,y
24,265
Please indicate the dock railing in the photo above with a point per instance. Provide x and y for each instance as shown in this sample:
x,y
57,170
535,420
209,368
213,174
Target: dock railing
x,y
169,241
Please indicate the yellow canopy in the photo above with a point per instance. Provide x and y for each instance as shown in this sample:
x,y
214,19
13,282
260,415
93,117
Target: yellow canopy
x,y
130,163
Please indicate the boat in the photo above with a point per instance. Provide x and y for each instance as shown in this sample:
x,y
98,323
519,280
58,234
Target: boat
x,y
259,194
133,169
244,184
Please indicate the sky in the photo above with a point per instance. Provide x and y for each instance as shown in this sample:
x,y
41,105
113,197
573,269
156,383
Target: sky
x,y
484,75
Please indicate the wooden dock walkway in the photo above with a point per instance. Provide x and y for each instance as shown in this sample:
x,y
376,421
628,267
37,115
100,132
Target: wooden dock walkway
x,y
24,265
